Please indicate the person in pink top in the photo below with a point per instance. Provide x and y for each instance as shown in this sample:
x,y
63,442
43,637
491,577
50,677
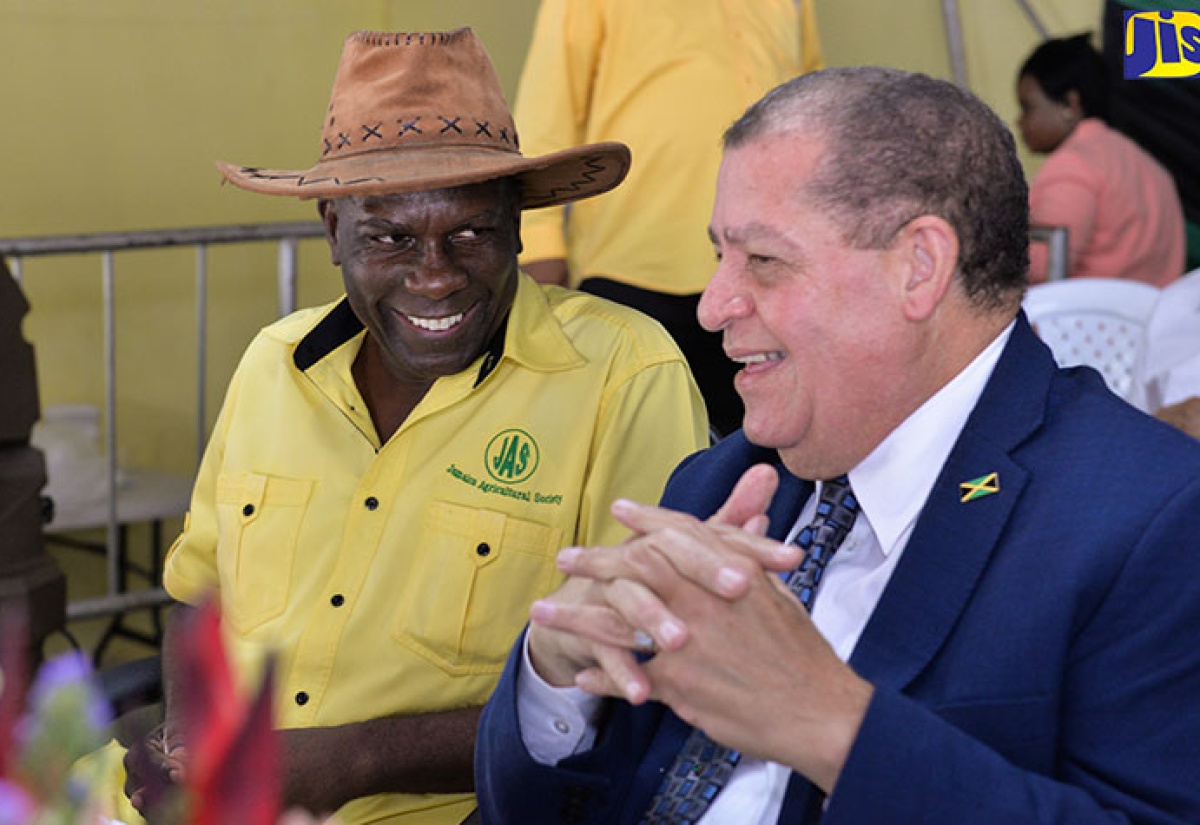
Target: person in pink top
x,y
1119,204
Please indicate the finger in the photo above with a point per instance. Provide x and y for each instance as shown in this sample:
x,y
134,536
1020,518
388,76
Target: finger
x,y
646,518
753,543
644,612
600,564
722,559
630,609
598,624
758,525
177,765
699,555
641,559
617,674
751,496
596,682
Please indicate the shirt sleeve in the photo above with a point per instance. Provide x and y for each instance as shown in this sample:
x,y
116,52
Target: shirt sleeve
x,y
552,104
649,422
555,722
190,570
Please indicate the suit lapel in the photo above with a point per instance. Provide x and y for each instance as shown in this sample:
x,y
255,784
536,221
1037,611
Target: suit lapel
x,y
785,507
957,533
944,559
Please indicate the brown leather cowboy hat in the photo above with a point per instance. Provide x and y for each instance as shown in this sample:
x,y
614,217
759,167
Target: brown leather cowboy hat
x,y
414,112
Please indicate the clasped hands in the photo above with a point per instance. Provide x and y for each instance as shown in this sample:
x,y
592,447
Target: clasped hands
x,y
154,763
736,653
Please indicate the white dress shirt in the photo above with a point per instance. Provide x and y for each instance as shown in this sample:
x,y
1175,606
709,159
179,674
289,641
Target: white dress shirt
x,y
891,485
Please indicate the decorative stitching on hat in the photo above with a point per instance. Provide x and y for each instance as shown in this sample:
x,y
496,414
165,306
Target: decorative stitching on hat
x,y
341,143
593,169
303,180
405,39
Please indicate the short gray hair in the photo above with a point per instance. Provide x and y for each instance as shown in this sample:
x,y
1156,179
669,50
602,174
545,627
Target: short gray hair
x,y
899,145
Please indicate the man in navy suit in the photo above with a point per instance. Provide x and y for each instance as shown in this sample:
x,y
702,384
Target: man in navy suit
x,y
1007,634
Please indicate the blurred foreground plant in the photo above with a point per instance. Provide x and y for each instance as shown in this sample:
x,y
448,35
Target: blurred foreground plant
x,y
43,732
217,762
231,769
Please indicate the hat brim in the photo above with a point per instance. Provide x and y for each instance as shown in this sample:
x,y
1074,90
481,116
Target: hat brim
x,y
548,180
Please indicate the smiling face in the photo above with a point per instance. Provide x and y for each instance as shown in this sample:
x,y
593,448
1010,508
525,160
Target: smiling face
x,y
431,275
817,324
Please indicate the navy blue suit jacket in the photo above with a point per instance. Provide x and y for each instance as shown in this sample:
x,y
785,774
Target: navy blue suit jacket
x,y
1035,656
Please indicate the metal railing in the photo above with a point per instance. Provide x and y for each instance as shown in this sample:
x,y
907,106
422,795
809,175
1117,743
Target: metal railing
x,y
1055,238
287,235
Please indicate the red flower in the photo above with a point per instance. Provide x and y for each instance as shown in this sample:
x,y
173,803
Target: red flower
x,y
234,768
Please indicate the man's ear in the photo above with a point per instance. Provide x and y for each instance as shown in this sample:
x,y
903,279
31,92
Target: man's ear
x,y
327,209
927,247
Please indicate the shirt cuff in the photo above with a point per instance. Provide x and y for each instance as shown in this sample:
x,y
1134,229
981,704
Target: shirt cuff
x,y
555,722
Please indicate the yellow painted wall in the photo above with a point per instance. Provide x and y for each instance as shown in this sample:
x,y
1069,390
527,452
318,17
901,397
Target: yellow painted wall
x,y
911,34
114,111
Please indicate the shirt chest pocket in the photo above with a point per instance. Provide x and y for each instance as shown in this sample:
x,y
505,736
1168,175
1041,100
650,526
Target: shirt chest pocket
x,y
259,518
476,574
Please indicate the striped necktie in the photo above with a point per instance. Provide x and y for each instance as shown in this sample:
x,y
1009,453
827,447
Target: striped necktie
x,y
703,767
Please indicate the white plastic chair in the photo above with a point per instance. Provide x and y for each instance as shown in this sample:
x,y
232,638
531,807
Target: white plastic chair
x,y
1170,367
1100,322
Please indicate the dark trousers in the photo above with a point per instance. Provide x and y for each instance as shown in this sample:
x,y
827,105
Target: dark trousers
x,y
677,313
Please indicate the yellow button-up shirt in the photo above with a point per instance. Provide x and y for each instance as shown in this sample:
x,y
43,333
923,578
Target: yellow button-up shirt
x,y
666,77
393,578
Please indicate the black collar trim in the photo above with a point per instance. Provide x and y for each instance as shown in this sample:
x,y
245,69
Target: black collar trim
x,y
335,329
495,351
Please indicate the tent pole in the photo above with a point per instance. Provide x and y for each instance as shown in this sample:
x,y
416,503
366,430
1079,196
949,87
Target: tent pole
x,y
1034,20
954,42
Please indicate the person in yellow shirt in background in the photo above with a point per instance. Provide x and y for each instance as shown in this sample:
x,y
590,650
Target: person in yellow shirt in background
x,y
665,77
391,475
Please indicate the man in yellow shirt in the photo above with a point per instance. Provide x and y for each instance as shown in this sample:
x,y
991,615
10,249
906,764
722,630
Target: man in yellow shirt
x,y
391,475
666,78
